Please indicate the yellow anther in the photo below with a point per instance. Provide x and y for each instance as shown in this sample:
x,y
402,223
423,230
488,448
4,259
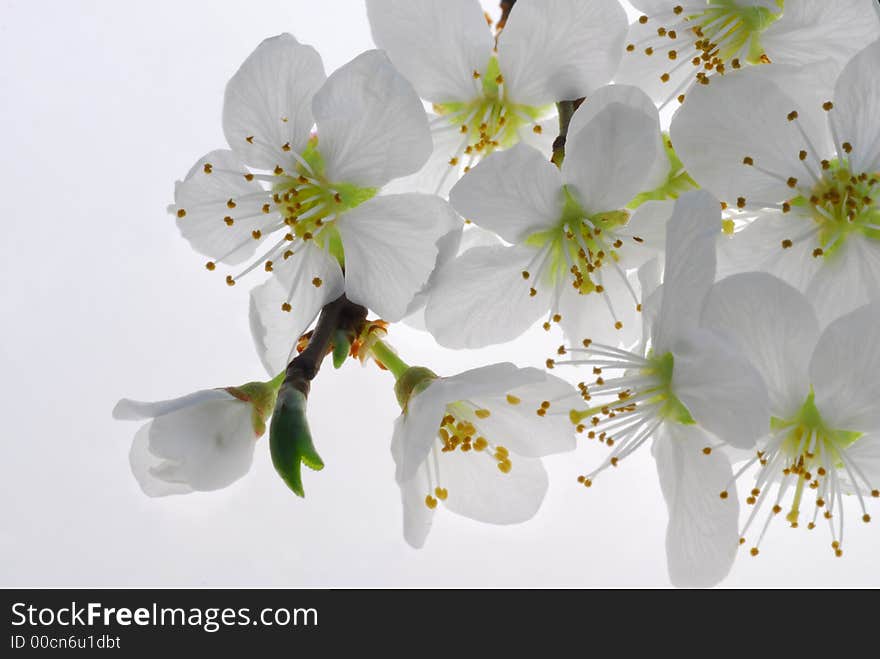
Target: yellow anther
x,y
505,466
286,306
787,243
501,452
229,280
208,168
827,106
248,177
431,502
316,282
278,171
480,444
441,493
230,204
724,494
210,265
229,221
482,413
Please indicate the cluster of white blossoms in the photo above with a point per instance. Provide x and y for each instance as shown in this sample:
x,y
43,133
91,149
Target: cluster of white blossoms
x,y
693,199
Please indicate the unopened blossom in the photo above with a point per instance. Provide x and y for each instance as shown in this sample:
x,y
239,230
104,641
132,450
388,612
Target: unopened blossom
x,y
473,443
823,390
491,94
675,44
686,388
308,200
199,442
809,170
573,240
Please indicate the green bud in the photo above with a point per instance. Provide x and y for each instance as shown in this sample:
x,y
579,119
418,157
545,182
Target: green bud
x,y
341,346
290,439
412,381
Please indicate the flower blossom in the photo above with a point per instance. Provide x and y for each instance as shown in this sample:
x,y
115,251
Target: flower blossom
x,y
313,196
823,391
487,97
809,170
473,442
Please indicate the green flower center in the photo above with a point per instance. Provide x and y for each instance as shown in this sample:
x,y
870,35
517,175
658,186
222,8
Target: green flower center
x,y
810,449
488,122
581,247
842,204
724,34
310,204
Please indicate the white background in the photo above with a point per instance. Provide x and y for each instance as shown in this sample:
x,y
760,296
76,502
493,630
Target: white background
x,y
104,105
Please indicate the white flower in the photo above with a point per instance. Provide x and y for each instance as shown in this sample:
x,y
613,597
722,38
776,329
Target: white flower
x,y
676,43
473,442
809,169
199,442
316,195
488,98
686,388
823,393
573,238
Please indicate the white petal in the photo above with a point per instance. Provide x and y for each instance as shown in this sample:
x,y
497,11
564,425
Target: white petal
x,y
690,265
448,247
514,193
610,159
518,427
420,423
269,100
632,97
720,388
648,71
130,410
702,537
390,245
479,490
588,316
845,279
775,326
437,176
844,371
812,30
203,201
460,40
483,299
758,246
275,331
371,124
865,454
143,463
741,114
417,517
203,447
648,222
557,50
857,106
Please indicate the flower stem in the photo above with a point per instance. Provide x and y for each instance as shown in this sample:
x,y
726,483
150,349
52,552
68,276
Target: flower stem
x,y
385,355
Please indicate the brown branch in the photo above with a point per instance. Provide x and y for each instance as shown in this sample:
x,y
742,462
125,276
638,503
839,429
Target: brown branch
x,y
342,314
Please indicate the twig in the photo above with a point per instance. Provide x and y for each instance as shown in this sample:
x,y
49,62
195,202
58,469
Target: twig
x,y
506,6
566,111
343,314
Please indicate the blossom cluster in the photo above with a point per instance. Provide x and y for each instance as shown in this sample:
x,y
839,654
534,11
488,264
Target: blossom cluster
x,y
692,200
